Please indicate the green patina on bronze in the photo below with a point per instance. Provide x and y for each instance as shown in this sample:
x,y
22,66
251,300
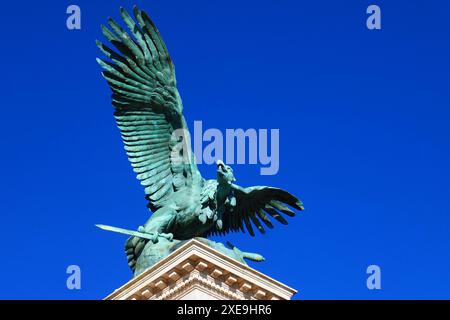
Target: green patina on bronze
x,y
149,114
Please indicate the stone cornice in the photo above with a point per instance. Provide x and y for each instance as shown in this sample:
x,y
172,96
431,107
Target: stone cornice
x,y
196,266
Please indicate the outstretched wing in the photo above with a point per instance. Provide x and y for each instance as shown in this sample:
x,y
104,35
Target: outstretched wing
x,y
148,108
254,205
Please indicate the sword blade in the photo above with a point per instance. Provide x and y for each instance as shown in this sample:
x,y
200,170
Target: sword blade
x,y
125,231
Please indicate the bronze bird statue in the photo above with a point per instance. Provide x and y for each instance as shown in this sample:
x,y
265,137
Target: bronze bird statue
x,y
149,114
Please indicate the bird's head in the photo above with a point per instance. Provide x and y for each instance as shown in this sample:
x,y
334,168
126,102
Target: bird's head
x,y
224,173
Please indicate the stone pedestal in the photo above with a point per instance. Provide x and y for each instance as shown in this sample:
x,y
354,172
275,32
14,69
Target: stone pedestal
x,y
195,271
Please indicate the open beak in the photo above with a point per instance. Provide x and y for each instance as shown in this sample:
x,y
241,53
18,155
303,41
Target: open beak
x,y
220,162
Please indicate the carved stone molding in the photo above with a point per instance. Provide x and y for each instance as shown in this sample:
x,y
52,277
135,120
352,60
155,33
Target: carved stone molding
x,y
195,271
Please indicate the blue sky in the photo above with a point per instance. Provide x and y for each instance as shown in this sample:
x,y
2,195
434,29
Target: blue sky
x,y
364,140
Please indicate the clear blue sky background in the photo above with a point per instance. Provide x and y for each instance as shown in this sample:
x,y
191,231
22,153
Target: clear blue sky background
x,y
364,128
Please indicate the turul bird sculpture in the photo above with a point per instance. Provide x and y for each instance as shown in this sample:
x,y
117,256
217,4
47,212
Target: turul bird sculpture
x,y
149,114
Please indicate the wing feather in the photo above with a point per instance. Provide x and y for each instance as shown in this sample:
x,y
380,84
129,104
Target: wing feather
x,y
148,108
254,205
